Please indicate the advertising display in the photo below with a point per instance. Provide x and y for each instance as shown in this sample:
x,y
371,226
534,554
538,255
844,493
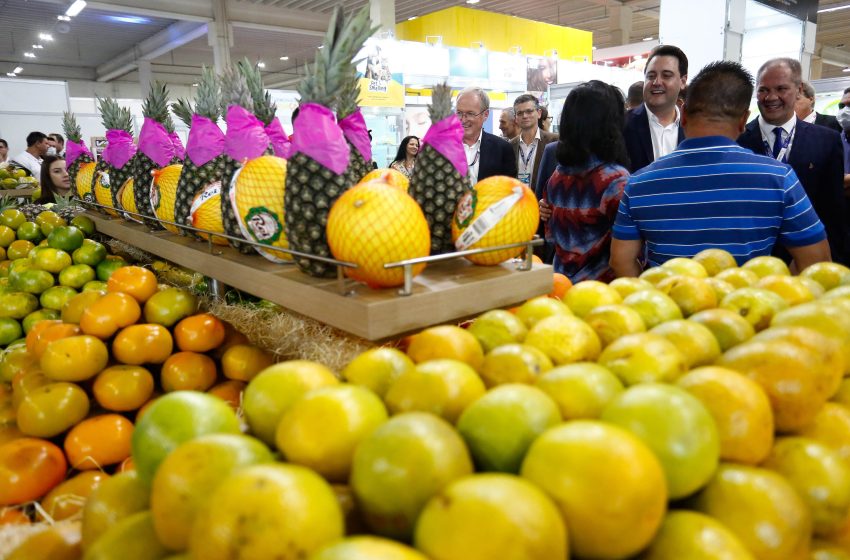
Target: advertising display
x,y
381,82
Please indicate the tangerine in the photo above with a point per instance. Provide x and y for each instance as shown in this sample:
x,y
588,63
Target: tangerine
x,y
241,362
133,280
99,441
146,343
188,371
199,333
106,315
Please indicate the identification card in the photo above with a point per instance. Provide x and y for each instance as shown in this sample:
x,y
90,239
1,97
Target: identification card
x,y
524,178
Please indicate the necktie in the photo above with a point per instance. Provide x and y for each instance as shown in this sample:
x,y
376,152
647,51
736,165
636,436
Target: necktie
x,y
777,142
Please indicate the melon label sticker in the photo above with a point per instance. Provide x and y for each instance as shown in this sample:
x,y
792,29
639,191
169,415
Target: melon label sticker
x,y
466,208
263,224
488,219
154,195
209,191
104,178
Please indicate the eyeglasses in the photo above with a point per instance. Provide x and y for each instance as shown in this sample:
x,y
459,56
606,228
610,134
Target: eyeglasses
x,y
469,115
526,113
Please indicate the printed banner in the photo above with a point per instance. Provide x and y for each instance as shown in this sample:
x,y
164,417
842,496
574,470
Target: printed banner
x,y
381,81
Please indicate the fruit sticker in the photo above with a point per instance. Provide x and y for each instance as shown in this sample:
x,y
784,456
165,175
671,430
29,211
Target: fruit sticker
x,y
466,208
487,220
263,224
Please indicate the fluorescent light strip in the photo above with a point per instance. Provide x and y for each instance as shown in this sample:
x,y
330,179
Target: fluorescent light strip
x,y
45,36
75,8
17,70
833,9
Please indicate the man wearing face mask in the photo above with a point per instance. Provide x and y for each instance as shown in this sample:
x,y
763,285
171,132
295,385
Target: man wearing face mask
x,y
844,120
57,144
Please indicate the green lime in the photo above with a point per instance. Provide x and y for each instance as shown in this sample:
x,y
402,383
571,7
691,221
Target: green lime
x,y
50,217
10,330
76,275
67,238
95,286
12,217
39,315
30,231
90,252
84,223
7,235
50,259
19,249
56,296
17,305
32,281
109,265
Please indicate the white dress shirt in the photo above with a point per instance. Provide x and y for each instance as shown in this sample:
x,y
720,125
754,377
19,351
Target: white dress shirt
x,y
30,162
787,130
810,118
473,158
664,138
525,156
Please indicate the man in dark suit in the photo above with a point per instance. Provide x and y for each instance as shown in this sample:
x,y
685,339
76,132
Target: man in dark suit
x,y
814,152
528,146
486,154
652,129
805,109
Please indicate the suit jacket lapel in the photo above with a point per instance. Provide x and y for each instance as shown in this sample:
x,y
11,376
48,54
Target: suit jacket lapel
x,y
645,136
797,150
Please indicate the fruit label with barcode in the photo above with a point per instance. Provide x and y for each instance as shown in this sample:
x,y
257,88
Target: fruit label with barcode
x,y
488,219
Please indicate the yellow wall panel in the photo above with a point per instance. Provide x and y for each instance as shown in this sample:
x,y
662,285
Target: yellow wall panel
x,y
461,27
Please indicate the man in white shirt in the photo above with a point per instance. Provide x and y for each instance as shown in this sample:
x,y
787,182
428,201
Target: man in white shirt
x,y
30,159
486,154
814,152
652,130
529,144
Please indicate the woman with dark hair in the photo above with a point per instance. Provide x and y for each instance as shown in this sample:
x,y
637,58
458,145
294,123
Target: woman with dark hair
x,y
581,198
55,180
405,158
4,151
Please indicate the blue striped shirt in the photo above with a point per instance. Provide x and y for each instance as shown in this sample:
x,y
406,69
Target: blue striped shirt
x,y
711,193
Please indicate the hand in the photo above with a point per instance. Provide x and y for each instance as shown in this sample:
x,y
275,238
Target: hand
x,y
545,210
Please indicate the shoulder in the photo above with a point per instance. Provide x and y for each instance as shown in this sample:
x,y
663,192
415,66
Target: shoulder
x,y
548,137
635,116
751,134
514,141
493,140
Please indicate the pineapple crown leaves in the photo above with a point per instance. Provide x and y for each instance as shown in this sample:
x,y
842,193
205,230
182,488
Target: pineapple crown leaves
x,y
441,102
70,127
183,109
208,96
335,64
234,90
155,105
114,116
264,107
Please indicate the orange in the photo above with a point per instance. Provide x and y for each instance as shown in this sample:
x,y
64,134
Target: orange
x,y
147,343
36,331
831,427
518,225
68,498
13,516
123,388
199,333
106,315
51,331
126,465
232,337
75,358
373,224
536,259
229,391
446,342
560,285
73,309
29,468
133,280
242,362
391,176
187,371
99,441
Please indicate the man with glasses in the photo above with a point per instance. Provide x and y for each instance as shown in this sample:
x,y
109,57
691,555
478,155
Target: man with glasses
x,y
486,154
814,152
528,146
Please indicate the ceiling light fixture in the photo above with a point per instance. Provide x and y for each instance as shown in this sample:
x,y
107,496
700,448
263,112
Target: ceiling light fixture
x,y
195,84
321,46
284,58
261,64
411,18
11,74
29,55
75,8
472,1
18,70
846,69
833,9
45,36
650,38
63,18
38,46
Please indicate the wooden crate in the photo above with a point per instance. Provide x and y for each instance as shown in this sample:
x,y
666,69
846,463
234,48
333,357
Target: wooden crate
x,y
445,292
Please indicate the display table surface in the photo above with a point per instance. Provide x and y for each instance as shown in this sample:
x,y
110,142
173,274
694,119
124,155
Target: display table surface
x,y
445,291
14,193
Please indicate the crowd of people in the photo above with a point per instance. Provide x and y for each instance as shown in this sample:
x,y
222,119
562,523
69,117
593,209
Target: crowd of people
x,y
675,167
44,159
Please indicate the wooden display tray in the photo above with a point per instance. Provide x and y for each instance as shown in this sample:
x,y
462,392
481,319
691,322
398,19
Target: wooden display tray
x,y
446,291
14,193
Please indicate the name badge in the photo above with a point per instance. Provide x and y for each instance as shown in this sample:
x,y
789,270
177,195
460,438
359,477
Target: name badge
x,y
524,178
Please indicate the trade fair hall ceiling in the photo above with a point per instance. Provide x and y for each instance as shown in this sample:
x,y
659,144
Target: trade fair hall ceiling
x,y
104,41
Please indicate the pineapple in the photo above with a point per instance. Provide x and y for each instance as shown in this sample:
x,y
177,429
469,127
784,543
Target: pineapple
x,y
358,167
436,184
109,180
264,107
74,134
155,106
311,188
194,178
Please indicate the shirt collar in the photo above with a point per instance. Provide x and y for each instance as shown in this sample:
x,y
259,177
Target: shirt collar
x,y
767,128
536,137
706,142
654,120
477,143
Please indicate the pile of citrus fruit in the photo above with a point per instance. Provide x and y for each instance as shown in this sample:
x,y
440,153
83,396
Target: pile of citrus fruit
x,y
700,411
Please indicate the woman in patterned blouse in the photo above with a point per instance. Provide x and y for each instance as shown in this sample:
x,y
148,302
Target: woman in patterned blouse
x,y
405,158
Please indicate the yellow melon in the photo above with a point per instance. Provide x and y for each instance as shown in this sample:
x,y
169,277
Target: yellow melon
x,y
102,192
256,194
127,200
373,224
164,192
391,176
85,175
496,211
205,212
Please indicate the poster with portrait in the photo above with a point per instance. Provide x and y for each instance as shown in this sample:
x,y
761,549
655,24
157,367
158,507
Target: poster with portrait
x,y
381,83
542,73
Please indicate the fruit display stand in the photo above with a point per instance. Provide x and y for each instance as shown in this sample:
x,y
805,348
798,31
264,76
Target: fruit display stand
x,y
16,193
448,290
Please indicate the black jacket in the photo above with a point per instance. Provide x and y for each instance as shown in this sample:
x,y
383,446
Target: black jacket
x,y
828,121
497,157
639,139
817,158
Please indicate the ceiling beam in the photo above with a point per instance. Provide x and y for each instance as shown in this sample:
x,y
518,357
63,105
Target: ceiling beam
x,y
173,36
834,56
36,70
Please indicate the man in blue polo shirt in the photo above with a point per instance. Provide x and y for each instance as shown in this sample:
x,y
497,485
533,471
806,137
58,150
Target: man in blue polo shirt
x,y
710,192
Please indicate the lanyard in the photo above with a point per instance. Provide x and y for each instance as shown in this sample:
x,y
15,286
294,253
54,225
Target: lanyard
x,y
786,147
526,160
475,159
